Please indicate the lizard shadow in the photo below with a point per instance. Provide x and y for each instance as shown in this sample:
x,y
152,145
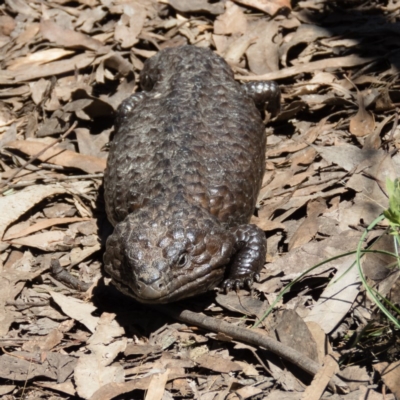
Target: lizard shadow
x,y
137,318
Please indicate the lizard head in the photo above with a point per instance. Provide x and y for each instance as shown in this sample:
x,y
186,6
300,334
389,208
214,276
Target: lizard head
x,y
166,255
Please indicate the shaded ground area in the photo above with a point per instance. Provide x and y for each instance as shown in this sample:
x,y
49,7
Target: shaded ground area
x,y
65,68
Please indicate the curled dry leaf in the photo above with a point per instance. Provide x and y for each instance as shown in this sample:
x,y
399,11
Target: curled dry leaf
x,y
363,123
59,156
130,25
338,297
113,389
46,241
19,203
263,55
93,370
44,224
235,50
321,380
38,58
231,21
52,69
270,7
77,309
21,365
7,25
185,6
67,37
337,62
309,227
390,374
22,7
12,281
217,364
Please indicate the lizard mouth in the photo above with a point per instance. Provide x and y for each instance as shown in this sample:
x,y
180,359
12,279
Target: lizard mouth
x,y
161,293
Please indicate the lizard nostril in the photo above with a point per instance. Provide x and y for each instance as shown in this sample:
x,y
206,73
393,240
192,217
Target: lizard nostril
x,y
149,277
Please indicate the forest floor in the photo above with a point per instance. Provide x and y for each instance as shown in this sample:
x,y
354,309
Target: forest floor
x,y
65,67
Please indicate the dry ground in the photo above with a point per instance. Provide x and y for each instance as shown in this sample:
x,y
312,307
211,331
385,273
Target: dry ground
x,y
65,68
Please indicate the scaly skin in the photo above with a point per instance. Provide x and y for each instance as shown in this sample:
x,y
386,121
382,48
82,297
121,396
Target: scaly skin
x,y
182,179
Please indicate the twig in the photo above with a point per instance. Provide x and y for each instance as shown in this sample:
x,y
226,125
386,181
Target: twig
x,y
65,277
251,337
36,156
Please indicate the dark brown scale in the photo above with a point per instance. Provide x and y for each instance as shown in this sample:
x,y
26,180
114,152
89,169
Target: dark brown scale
x,y
182,179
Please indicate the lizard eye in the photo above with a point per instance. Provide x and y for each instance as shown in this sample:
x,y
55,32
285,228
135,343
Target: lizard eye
x,y
146,82
183,259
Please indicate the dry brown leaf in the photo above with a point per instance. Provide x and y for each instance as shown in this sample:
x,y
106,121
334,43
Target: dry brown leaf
x,y
376,266
299,260
270,7
248,392
77,309
231,21
92,146
293,332
356,375
45,343
237,48
89,16
390,374
19,203
157,386
303,157
302,142
21,365
267,226
53,68
369,180
60,36
130,24
46,241
240,303
39,89
313,66
22,7
6,389
321,340
185,6
263,55
38,58
59,156
363,123
114,389
12,281
322,378
217,364
65,387
336,300
78,254
44,224
93,370
30,31
307,33
286,379
309,227
346,155
7,25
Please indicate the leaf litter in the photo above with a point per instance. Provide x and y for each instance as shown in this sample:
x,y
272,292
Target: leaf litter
x,y
65,68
